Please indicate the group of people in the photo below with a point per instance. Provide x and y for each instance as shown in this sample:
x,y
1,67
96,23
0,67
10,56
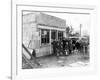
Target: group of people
x,y
68,46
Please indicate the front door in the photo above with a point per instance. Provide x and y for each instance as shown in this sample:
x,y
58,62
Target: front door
x,y
53,35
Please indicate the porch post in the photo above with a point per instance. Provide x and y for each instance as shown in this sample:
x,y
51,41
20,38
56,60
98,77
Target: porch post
x,y
40,37
57,35
50,40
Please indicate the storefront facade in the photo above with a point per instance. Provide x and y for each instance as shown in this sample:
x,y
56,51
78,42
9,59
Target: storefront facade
x,y
41,31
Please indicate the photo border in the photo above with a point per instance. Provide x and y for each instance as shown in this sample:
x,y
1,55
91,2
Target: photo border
x,y
17,33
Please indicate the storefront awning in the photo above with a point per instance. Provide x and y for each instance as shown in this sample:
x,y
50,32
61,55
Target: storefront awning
x,y
51,28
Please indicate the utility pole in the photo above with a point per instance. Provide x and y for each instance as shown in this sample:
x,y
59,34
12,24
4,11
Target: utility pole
x,y
80,29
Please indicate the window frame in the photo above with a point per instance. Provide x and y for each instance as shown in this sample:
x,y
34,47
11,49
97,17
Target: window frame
x,y
61,35
46,37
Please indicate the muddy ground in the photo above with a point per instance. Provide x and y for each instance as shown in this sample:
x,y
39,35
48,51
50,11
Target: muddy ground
x,y
73,60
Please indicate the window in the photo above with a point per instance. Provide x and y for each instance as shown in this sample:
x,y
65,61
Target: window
x,y
53,34
60,35
44,36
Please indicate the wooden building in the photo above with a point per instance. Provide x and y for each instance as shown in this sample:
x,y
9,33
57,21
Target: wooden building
x,y
40,29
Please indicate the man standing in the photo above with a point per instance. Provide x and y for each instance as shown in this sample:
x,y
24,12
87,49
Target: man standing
x,y
70,46
54,47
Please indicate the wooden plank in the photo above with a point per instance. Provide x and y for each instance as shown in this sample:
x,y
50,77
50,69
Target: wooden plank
x,y
33,58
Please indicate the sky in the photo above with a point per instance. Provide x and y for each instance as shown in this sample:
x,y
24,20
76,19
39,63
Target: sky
x,y
74,20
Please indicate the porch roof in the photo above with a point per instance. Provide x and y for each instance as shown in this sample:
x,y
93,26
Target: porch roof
x,y
48,20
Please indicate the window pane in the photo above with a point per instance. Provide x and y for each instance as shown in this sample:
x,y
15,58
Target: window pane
x,y
44,36
60,35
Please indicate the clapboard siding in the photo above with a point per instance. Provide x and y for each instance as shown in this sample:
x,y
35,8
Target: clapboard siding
x,y
28,32
44,50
